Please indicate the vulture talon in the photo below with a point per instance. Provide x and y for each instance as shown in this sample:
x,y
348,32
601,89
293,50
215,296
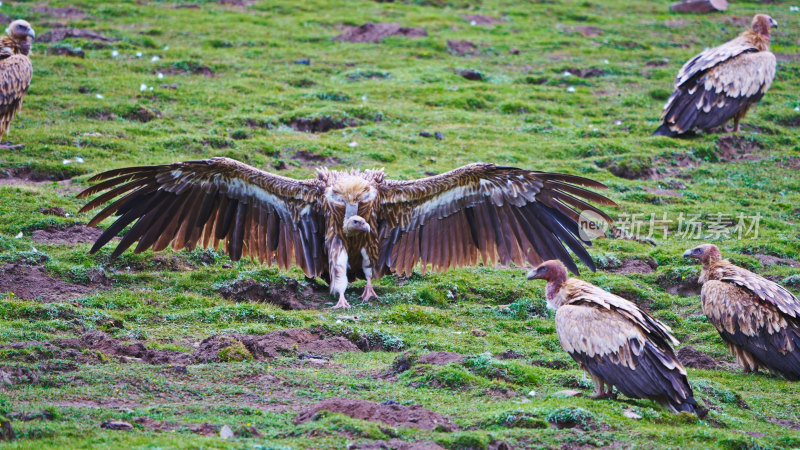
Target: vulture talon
x,y
368,293
721,83
616,342
342,303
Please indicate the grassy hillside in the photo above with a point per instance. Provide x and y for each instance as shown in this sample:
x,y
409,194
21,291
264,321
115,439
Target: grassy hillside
x,y
565,85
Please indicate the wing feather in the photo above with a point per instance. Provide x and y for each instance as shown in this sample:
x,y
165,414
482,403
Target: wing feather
x,y
16,72
208,202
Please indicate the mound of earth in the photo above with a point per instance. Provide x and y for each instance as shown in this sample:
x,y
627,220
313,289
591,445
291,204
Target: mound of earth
x,y
414,416
685,287
75,234
296,341
440,358
70,12
307,158
319,124
586,73
291,295
478,19
770,260
395,444
59,34
630,265
32,282
462,48
735,148
376,32
691,357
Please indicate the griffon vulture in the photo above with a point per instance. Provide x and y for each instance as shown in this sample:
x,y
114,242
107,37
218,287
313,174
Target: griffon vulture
x,y
759,320
617,343
15,71
356,220
721,83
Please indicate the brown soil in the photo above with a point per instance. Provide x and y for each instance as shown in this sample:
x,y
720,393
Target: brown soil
x,y
297,341
75,234
206,429
630,265
395,444
414,416
471,74
290,295
554,364
769,260
440,358
791,163
586,73
510,354
187,6
376,32
686,287
662,192
309,159
733,147
320,124
59,34
199,69
462,48
25,175
481,19
70,12
659,168
142,114
785,423
691,357
53,211
586,31
32,283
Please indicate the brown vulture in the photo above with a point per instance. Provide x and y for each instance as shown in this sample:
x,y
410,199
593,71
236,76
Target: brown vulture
x,y
356,220
758,319
15,70
721,83
617,343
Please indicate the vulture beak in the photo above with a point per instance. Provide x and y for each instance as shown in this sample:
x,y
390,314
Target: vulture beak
x,y
689,253
533,274
773,22
32,34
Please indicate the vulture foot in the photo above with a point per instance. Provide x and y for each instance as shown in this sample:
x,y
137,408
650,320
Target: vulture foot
x,y
342,304
8,145
602,395
369,292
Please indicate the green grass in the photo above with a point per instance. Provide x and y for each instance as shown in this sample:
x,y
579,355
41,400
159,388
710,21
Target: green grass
x,y
523,113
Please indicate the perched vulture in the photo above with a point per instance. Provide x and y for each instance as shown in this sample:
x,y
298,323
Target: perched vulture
x,y
356,220
15,70
759,320
617,343
721,83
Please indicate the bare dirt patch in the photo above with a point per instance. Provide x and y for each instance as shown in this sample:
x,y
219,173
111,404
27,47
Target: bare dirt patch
x,y
585,31
587,72
462,48
309,159
551,364
395,444
70,12
662,192
291,295
785,423
35,177
478,19
440,358
685,287
320,124
59,34
414,416
189,68
377,32
735,148
770,260
691,357
510,354
631,265
75,234
296,342
33,283
650,169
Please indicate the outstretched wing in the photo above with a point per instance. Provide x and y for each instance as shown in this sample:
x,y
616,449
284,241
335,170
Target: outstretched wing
x,y
15,79
254,213
715,85
500,214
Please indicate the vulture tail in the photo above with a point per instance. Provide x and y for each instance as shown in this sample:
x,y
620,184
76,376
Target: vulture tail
x,y
664,130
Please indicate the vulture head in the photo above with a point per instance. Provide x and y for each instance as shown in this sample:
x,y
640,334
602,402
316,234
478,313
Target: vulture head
x,y
551,271
355,224
20,30
706,253
762,23
350,191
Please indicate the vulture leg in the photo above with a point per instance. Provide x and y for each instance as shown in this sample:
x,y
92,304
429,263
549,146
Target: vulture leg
x,y
369,292
338,269
599,387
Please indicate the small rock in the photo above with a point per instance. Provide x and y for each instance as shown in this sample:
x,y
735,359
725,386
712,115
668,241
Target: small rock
x,y
182,370
438,135
303,62
631,415
227,266
426,134
532,394
478,333
514,51
226,432
53,211
471,74
117,425
569,393
699,6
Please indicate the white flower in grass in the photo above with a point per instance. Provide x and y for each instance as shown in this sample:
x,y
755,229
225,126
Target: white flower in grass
x,y
571,89
155,58
79,160
353,144
99,96
160,76
114,53
138,54
66,161
566,74
142,87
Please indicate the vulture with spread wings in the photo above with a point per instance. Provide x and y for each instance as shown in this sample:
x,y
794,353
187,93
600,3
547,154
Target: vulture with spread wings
x,y
16,70
758,319
616,342
721,83
356,220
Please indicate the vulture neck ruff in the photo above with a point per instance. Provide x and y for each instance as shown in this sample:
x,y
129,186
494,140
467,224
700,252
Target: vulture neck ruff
x,y
17,46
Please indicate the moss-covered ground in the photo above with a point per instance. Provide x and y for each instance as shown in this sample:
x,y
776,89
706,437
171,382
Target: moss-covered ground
x,y
233,83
